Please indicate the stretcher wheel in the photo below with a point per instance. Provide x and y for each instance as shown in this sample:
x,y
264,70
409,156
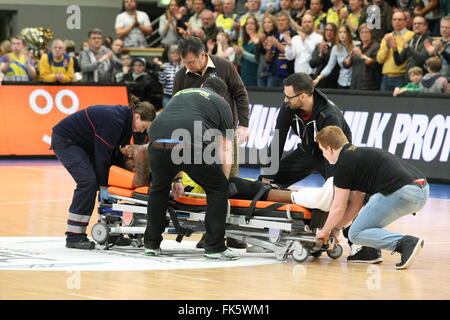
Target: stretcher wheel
x,y
100,232
336,253
299,252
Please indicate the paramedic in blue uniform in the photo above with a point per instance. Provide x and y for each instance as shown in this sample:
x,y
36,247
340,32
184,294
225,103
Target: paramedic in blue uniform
x,y
84,142
396,187
196,111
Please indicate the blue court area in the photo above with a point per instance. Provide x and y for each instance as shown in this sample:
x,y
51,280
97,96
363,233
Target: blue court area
x,y
437,191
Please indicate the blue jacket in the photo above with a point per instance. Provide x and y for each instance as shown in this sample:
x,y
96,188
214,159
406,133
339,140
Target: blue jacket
x,y
98,130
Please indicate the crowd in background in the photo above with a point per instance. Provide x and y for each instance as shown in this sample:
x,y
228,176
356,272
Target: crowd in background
x,y
396,46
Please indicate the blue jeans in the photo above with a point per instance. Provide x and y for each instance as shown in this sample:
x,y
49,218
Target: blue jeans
x,y
390,83
381,210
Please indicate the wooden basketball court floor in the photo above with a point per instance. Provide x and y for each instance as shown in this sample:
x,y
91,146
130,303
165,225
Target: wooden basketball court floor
x,y
35,196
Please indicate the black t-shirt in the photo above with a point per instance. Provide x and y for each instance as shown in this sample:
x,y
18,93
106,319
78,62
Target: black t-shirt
x,y
195,110
372,170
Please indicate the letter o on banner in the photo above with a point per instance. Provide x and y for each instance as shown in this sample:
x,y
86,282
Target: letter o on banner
x,y
75,101
32,101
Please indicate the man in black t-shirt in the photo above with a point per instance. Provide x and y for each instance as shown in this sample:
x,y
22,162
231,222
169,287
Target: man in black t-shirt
x,y
194,130
396,189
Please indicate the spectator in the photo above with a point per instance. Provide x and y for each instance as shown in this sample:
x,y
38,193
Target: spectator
x,y
415,75
414,52
195,21
246,52
405,4
97,62
338,12
321,56
433,81
144,85
107,42
444,7
302,46
229,20
430,10
133,25
56,66
270,6
70,50
167,73
125,60
409,19
17,65
264,48
342,48
168,24
394,75
442,47
117,47
298,10
366,71
224,48
385,20
356,7
218,8
5,47
320,17
285,6
209,30
253,9
280,66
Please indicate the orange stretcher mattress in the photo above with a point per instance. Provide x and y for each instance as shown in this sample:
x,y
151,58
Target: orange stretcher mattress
x,y
121,184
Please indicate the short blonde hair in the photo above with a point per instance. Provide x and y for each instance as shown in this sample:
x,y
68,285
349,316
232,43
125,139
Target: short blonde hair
x,y
415,71
332,136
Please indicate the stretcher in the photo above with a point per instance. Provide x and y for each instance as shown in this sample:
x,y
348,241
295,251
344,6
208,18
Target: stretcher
x,y
284,229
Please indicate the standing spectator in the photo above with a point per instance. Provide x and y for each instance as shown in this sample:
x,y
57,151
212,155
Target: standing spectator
x,y
224,48
405,4
98,62
168,24
253,9
5,47
17,65
394,75
246,52
320,17
340,51
442,47
366,73
321,56
430,10
229,20
301,46
298,10
125,60
218,7
117,47
167,73
280,66
338,12
56,66
385,19
414,52
356,7
195,21
433,81
133,25
263,48
71,51
209,30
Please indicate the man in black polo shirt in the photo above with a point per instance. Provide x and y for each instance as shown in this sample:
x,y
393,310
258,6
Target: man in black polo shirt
x,y
180,140
396,189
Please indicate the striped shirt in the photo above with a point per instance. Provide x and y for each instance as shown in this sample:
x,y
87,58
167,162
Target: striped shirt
x,y
166,76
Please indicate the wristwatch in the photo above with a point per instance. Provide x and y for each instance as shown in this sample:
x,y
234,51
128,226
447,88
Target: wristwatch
x,y
338,229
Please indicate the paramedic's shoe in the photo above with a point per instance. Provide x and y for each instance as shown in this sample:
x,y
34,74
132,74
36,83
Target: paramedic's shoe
x,y
360,254
84,244
408,247
201,243
152,252
233,243
228,254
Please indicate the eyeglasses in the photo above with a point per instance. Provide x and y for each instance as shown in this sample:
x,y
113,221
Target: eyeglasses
x,y
292,97
417,23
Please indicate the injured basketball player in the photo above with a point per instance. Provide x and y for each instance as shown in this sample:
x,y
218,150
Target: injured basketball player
x,y
240,188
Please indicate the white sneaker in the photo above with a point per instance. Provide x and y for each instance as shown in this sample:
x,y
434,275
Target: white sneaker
x,y
228,254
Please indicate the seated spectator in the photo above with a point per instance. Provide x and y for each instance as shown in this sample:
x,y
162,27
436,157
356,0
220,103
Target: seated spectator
x,y
366,73
385,12
132,25
430,10
393,74
415,75
246,52
167,73
144,85
56,66
414,52
338,12
229,20
125,60
280,66
17,65
321,56
433,81
302,46
268,29
168,24
320,17
97,62
354,16
340,51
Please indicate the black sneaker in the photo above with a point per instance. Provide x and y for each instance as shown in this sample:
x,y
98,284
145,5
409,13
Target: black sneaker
x,y
233,243
409,247
84,244
360,254
201,243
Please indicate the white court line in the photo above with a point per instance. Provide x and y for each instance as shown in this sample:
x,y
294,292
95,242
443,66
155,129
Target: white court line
x,y
35,201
